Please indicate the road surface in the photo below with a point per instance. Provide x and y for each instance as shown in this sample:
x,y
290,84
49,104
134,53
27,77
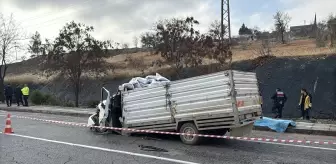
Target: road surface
x,y
36,142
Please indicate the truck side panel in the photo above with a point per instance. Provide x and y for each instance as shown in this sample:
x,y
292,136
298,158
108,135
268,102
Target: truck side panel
x,y
146,107
206,100
203,99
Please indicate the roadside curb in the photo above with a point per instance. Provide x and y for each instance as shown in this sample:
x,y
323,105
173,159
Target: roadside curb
x,y
300,131
63,113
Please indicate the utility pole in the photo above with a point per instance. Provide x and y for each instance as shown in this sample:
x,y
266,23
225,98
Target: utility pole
x,y
225,22
225,43
226,35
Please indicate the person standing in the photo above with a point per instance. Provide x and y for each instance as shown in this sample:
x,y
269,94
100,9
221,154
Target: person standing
x,y
279,100
9,94
25,93
305,104
18,95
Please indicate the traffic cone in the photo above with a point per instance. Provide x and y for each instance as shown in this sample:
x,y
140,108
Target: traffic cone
x,y
8,128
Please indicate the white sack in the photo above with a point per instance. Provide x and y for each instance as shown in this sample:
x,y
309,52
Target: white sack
x,y
150,80
160,78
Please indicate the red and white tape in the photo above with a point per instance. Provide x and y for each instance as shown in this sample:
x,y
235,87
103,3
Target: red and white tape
x,y
274,140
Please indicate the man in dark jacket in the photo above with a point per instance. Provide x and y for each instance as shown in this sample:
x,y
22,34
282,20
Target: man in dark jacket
x,y
279,99
18,95
8,94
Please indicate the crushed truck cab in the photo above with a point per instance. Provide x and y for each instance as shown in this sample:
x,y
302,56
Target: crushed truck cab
x,y
208,104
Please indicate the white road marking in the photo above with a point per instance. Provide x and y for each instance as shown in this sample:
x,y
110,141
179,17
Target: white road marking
x,y
105,149
304,146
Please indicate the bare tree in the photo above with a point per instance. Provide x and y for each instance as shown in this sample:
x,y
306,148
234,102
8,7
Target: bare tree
x,y
180,44
76,53
321,34
190,22
125,46
215,30
116,45
222,54
281,21
35,46
264,50
135,41
332,29
149,40
325,30
171,34
256,32
47,47
9,35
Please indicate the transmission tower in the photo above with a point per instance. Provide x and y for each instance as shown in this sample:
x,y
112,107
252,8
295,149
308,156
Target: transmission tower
x,y
225,21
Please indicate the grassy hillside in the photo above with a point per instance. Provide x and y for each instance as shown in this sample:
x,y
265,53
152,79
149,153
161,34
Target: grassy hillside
x,y
295,65
128,63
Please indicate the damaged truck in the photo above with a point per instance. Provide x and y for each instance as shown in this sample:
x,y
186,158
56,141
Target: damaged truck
x,y
215,104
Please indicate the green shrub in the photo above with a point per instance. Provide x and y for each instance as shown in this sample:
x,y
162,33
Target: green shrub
x,y
39,98
92,103
51,100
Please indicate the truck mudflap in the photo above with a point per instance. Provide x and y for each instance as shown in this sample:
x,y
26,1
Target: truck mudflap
x,y
242,131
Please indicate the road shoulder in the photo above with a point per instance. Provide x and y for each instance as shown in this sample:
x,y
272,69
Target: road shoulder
x,y
301,127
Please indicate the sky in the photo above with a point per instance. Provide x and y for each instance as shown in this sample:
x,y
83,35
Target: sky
x,y
122,20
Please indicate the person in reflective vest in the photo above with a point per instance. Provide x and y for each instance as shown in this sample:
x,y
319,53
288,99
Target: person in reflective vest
x,y
305,104
25,93
279,100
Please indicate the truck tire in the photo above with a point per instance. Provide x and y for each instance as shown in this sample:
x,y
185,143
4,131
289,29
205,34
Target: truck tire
x,y
191,129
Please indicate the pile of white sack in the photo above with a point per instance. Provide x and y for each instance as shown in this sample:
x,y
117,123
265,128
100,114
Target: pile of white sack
x,y
148,81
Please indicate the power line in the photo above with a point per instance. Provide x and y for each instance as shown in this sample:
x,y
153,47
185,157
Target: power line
x,y
51,20
51,12
55,19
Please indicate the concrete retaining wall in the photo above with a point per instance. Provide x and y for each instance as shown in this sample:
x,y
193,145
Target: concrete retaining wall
x,y
317,74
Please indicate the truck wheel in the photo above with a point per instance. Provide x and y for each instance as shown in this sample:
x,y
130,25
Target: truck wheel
x,y
189,128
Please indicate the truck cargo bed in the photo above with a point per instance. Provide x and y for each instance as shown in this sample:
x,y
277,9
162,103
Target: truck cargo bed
x,y
208,101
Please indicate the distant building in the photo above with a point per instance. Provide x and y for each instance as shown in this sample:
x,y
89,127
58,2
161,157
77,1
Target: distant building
x,y
304,30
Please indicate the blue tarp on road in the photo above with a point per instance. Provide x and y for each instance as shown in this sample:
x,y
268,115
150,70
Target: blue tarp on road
x,y
274,124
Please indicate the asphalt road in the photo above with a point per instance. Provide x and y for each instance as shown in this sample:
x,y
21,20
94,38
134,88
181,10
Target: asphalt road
x,y
35,142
